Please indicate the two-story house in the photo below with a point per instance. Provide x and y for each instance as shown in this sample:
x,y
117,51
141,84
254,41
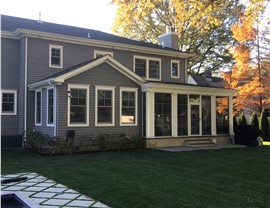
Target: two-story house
x,y
56,78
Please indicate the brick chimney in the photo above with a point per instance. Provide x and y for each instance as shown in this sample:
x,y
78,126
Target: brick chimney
x,y
169,39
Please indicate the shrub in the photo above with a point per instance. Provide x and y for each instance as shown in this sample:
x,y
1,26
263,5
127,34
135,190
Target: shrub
x,y
254,120
242,119
44,144
264,125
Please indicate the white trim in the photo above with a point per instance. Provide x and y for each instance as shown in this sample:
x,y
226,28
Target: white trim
x,y
15,102
102,53
96,105
47,106
108,59
38,124
147,59
78,86
135,90
150,114
51,46
25,86
188,89
213,116
178,69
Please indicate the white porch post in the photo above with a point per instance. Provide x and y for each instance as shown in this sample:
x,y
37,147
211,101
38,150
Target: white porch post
x,y
174,115
150,112
213,115
231,115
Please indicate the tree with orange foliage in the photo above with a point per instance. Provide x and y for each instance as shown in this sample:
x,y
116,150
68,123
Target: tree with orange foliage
x,y
250,74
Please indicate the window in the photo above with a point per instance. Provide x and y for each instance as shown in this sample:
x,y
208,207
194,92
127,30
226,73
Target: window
x,y
98,54
56,56
78,105
104,106
148,68
38,110
175,73
9,102
50,106
222,115
163,114
182,114
128,110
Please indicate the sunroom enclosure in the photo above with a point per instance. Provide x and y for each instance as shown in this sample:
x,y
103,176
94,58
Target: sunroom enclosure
x,y
187,111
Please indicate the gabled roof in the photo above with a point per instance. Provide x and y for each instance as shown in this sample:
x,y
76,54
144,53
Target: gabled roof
x,y
12,24
68,73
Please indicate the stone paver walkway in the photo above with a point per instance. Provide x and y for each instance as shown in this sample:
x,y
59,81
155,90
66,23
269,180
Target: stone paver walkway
x,y
41,192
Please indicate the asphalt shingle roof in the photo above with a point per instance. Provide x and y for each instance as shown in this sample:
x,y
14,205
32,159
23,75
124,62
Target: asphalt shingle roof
x,y
11,24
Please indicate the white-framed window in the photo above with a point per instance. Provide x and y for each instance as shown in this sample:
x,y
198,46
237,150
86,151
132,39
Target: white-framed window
x,y
104,106
175,69
50,106
78,105
8,102
98,54
38,108
128,106
55,56
148,68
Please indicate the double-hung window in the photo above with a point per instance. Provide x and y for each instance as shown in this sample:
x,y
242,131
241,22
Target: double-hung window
x,y
175,69
128,106
148,68
9,102
38,108
56,56
78,105
105,106
50,106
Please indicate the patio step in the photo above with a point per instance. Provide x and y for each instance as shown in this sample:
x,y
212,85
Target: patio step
x,y
200,143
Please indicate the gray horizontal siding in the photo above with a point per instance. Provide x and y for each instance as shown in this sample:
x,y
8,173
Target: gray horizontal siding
x,y
9,81
103,75
38,65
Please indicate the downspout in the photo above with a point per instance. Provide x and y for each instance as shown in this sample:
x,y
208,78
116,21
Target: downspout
x,y
25,86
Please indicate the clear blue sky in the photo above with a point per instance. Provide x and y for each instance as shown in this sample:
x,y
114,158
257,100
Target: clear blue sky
x,y
92,14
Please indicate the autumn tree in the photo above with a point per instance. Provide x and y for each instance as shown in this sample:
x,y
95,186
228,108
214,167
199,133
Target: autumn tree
x,y
250,74
203,26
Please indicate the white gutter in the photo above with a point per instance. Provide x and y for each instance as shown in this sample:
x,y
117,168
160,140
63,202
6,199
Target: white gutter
x,y
25,85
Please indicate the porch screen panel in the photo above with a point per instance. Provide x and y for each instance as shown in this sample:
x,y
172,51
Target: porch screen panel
x,y
163,117
206,115
182,115
222,115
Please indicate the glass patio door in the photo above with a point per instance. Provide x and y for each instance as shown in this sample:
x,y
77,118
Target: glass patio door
x,y
195,119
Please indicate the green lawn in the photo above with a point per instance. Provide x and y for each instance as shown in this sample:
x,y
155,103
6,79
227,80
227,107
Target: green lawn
x,y
150,178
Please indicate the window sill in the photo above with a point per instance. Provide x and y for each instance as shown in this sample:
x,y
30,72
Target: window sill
x,y
8,114
78,125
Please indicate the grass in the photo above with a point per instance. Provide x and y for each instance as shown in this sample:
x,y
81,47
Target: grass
x,y
157,179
